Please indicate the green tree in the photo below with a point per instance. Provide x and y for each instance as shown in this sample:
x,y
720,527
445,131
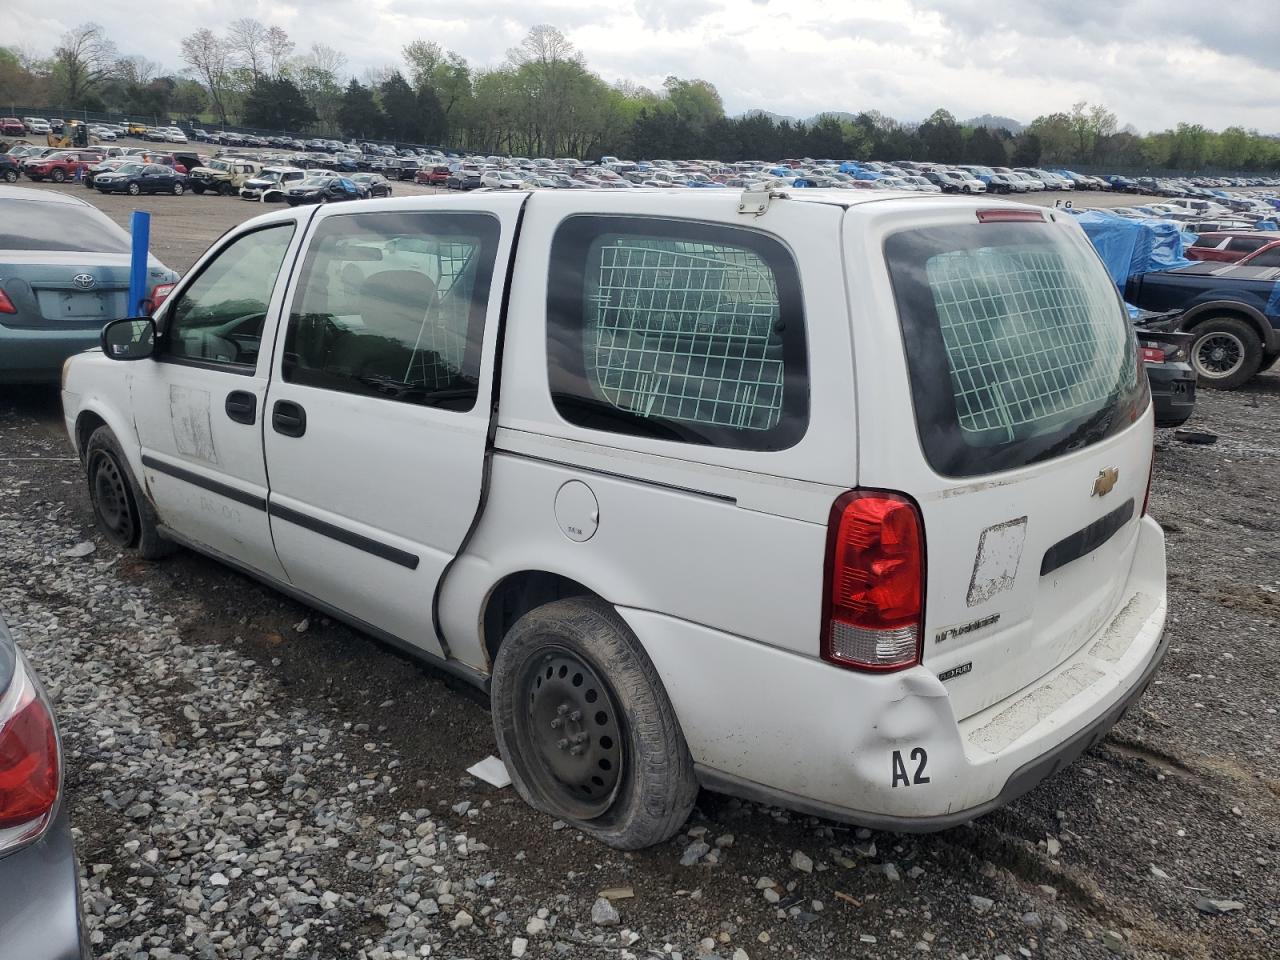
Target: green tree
x,y
400,105
1056,137
277,104
942,137
359,114
696,102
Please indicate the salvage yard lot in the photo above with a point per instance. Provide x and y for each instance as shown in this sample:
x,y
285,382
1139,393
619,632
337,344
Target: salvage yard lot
x,y
249,779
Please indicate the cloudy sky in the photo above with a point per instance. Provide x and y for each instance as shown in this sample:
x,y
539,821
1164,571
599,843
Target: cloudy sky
x,y
1154,62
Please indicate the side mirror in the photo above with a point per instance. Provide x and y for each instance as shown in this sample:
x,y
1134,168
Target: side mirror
x,y
133,338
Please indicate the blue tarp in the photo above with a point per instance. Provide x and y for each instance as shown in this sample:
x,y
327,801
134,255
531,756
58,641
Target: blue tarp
x,y
1129,247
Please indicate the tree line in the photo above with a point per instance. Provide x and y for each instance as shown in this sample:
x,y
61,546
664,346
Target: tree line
x,y
543,100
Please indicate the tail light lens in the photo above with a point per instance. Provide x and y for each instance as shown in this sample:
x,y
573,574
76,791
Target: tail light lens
x,y
1152,355
29,770
6,305
873,609
160,293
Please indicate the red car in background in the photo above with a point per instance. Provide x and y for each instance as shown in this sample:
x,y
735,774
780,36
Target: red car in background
x,y
1230,246
60,166
436,176
12,127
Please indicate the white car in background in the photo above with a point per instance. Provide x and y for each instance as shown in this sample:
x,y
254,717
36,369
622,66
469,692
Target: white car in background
x,y
174,135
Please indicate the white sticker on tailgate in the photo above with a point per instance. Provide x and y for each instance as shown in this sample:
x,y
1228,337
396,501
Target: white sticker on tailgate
x,y
996,565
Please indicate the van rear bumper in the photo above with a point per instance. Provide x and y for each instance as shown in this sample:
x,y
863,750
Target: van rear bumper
x,y
1024,779
886,751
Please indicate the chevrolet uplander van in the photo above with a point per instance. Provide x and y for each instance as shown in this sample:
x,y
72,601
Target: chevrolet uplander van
x,y
833,500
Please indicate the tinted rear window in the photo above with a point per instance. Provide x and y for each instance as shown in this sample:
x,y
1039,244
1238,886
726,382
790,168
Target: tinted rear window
x,y
33,225
1017,343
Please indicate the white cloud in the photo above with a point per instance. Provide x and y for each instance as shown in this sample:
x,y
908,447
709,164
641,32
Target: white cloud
x,y
1148,60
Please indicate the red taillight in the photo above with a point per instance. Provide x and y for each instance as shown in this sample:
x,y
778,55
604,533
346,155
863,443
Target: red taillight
x,y
28,765
160,293
6,305
1152,355
874,602
1009,215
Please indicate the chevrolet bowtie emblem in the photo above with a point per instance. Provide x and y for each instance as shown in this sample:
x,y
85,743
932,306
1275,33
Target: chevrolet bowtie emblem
x,y
1105,481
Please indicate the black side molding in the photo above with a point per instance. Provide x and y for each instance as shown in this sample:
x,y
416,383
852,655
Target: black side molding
x,y
1084,542
360,542
213,486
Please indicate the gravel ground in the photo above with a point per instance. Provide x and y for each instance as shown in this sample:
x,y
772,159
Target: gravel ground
x,y
248,779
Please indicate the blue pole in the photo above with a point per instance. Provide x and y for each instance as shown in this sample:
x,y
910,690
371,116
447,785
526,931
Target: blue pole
x,y
140,227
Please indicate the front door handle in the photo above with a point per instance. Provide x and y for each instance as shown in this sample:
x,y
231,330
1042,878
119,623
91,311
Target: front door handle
x,y
242,406
288,418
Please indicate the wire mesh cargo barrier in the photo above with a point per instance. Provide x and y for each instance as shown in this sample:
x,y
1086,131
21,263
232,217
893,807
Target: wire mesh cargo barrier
x,y
685,331
1022,337
442,339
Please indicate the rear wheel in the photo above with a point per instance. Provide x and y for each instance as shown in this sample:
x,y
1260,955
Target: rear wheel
x,y
586,728
197,189
125,518
1269,357
1226,352
134,189
11,176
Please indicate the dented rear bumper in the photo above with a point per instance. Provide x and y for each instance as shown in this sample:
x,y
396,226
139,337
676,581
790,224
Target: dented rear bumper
x,y
886,751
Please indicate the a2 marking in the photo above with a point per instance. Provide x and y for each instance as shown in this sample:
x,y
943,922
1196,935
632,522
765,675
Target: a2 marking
x,y
919,757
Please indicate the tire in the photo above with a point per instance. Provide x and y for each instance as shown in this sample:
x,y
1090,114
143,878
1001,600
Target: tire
x,y
197,189
11,176
634,785
134,189
226,190
178,189
1226,352
1269,357
124,517
58,176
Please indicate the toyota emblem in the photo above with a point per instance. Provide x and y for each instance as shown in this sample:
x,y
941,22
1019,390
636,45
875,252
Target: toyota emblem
x,y
84,281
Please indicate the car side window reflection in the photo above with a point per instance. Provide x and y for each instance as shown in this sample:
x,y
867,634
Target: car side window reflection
x,y
392,305
218,318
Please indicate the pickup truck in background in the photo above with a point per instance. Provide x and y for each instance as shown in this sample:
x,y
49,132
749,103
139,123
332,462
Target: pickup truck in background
x,y
1233,310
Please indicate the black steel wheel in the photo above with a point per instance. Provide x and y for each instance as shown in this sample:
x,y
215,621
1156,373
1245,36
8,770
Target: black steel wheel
x,y
572,725
124,515
112,500
586,728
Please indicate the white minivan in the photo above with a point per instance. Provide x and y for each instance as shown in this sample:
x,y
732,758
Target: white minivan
x,y
833,500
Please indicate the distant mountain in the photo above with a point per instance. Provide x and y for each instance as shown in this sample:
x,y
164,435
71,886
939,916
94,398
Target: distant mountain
x,y
775,117
995,123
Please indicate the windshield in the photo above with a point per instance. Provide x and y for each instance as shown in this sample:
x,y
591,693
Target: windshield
x,y
38,225
219,165
1024,324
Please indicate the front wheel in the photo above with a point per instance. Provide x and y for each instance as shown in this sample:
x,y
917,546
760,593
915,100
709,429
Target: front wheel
x,y
1226,353
134,189
586,728
125,518
197,189
11,176
178,189
59,176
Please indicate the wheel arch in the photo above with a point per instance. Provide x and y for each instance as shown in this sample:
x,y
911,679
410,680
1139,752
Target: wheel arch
x,y
515,595
1210,309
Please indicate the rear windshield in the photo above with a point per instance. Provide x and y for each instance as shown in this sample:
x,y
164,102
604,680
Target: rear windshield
x,y
33,225
1018,346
